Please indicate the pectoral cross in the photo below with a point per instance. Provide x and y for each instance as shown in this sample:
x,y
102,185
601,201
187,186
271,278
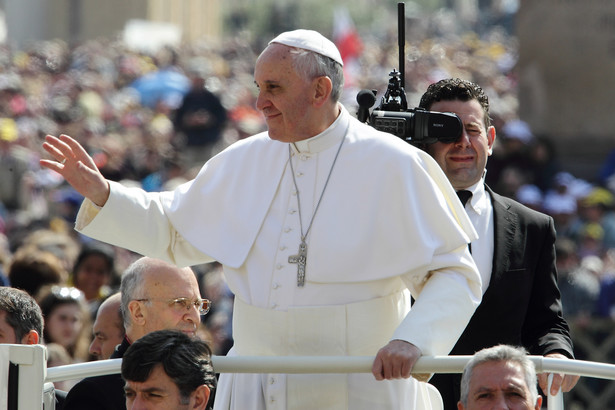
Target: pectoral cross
x,y
300,259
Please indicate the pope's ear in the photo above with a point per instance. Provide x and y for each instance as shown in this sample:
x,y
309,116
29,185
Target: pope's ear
x,y
322,89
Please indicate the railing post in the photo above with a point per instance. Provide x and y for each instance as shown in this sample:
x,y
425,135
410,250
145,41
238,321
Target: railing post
x,y
554,402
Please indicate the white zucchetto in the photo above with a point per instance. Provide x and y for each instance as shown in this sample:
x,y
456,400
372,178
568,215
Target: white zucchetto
x,y
310,40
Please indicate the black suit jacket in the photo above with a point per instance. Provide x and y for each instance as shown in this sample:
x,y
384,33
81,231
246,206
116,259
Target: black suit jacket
x,y
522,305
99,392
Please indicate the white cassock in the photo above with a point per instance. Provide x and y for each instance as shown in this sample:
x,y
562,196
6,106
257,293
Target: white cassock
x,y
389,224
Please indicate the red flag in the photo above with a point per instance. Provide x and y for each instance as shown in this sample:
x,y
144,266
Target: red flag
x,y
345,35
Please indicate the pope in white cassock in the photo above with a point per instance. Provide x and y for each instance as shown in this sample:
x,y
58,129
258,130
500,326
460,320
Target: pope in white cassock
x,y
324,225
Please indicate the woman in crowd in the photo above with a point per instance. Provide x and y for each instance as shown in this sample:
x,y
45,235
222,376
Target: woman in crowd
x,y
94,273
67,321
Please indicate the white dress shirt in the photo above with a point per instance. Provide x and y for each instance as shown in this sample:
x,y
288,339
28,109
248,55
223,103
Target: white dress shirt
x,y
480,212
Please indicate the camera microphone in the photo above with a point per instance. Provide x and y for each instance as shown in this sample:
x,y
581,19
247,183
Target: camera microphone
x,y
366,99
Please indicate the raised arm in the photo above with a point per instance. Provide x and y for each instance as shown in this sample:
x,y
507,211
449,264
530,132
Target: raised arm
x,y
77,167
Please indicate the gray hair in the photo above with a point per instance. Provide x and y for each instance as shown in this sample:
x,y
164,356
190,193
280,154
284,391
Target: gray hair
x,y
132,284
310,65
500,353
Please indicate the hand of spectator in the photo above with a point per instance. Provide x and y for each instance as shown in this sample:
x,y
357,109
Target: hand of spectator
x,y
565,381
77,167
395,360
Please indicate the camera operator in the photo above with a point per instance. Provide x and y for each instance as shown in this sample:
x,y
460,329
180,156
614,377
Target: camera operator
x,y
515,250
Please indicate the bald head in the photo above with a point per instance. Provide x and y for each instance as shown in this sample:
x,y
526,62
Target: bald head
x,y
108,328
150,288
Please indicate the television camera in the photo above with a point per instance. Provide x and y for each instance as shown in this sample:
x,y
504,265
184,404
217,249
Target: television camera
x,y
415,126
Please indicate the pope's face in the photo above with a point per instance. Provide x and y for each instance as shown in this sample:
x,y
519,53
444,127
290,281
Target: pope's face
x,y
464,161
499,385
284,97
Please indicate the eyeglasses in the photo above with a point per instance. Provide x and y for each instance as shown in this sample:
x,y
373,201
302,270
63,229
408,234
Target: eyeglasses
x,y
184,304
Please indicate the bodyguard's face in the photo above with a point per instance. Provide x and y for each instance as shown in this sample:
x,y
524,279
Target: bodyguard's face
x,y
464,161
499,385
284,97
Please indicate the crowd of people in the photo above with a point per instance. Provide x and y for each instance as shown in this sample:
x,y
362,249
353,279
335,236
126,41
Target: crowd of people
x,y
87,91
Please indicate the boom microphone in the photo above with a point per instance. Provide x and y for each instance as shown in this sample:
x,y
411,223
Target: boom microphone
x,y
366,99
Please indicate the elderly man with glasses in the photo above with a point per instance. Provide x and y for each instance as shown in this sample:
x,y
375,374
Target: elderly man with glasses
x,y
155,296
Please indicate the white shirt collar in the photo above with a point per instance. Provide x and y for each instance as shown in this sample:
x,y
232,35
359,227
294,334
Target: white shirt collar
x,y
326,139
477,202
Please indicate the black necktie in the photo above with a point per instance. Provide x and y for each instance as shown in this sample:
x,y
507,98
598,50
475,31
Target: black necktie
x,y
464,196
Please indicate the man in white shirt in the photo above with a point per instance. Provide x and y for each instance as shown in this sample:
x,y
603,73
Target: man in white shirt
x,y
514,252
324,227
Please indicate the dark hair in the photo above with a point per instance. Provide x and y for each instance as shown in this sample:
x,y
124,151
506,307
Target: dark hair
x,y
451,89
186,361
22,312
95,248
55,296
31,269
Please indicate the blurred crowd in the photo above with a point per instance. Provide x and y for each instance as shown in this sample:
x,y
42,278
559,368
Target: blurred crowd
x,y
141,115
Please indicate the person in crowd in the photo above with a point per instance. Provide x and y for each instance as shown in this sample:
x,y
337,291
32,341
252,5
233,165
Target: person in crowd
x,y
32,270
21,319
67,320
323,225
57,355
21,322
514,252
578,286
605,303
155,296
199,120
169,370
93,273
596,209
108,329
497,377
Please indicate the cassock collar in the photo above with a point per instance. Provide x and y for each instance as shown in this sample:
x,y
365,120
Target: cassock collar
x,y
326,139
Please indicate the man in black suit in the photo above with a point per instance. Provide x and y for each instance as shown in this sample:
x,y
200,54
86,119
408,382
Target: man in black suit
x,y
515,251
155,296
168,370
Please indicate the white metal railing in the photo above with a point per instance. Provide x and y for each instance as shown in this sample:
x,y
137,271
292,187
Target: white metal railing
x,y
344,364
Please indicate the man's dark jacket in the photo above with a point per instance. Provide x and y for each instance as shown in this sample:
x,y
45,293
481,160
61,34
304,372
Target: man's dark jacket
x,y
522,305
99,392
